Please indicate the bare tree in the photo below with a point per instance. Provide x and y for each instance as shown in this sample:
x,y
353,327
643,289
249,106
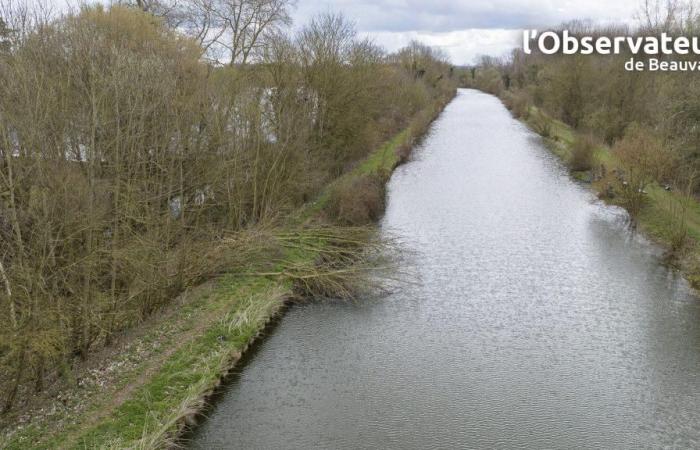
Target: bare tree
x,y
247,22
230,30
124,159
644,160
666,15
4,37
20,18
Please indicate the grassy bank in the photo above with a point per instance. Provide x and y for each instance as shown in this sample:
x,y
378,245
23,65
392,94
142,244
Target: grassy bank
x,y
148,386
658,216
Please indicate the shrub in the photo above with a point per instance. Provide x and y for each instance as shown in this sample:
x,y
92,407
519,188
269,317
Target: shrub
x,y
608,124
359,201
488,79
542,125
521,106
518,104
403,152
644,160
582,153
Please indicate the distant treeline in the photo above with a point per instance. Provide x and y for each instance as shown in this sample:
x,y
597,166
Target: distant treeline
x,y
133,138
597,96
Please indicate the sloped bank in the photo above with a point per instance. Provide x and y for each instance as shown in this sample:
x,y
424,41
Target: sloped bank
x,y
151,385
656,218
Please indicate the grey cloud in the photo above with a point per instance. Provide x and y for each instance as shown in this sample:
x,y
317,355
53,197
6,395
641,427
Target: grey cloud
x,y
445,16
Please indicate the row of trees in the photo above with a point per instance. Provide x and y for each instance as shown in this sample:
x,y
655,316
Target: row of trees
x,y
650,118
125,157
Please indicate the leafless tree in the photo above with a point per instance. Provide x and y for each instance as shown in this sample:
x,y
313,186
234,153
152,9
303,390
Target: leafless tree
x,y
125,158
229,30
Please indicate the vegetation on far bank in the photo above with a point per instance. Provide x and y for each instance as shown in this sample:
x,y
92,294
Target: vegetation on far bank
x,y
634,135
670,217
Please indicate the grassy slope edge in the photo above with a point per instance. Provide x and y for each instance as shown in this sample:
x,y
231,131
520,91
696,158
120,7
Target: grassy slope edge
x,y
157,381
655,219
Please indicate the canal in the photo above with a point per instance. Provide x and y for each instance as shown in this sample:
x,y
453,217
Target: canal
x,y
534,319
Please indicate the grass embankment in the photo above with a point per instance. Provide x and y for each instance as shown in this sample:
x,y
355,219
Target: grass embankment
x,y
147,387
656,218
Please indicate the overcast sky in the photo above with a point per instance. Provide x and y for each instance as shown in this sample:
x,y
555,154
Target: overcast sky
x,y
465,29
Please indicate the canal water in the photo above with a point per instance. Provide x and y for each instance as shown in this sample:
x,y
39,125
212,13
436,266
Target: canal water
x,y
534,319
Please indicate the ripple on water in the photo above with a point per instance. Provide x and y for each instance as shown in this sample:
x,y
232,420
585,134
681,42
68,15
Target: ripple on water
x,y
538,320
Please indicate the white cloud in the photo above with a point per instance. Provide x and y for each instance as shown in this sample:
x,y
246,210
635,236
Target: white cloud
x,y
451,15
463,28
462,46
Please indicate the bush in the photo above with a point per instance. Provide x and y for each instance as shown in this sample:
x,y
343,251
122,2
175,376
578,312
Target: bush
x,y
359,201
542,125
403,152
608,124
518,104
644,160
521,106
582,153
489,79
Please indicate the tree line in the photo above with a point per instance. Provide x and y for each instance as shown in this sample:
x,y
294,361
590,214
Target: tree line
x,y
133,138
649,119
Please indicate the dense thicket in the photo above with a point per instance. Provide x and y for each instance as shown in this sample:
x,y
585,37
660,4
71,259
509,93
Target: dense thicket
x,y
124,158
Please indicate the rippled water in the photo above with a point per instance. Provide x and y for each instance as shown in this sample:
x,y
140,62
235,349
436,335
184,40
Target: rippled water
x,y
536,320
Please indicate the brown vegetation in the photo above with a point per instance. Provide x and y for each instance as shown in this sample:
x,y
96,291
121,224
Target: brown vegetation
x,y
582,152
542,125
124,159
644,160
518,103
359,201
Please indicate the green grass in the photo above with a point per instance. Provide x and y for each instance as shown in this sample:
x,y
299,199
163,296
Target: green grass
x,y
562,131
383,160
656,215
191,371
241,307
560,138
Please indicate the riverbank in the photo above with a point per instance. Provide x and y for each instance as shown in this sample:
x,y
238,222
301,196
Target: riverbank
x,y
657,218
149,385
529,318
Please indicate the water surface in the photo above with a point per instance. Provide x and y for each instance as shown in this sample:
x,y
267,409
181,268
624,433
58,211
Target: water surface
x,y
536,320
